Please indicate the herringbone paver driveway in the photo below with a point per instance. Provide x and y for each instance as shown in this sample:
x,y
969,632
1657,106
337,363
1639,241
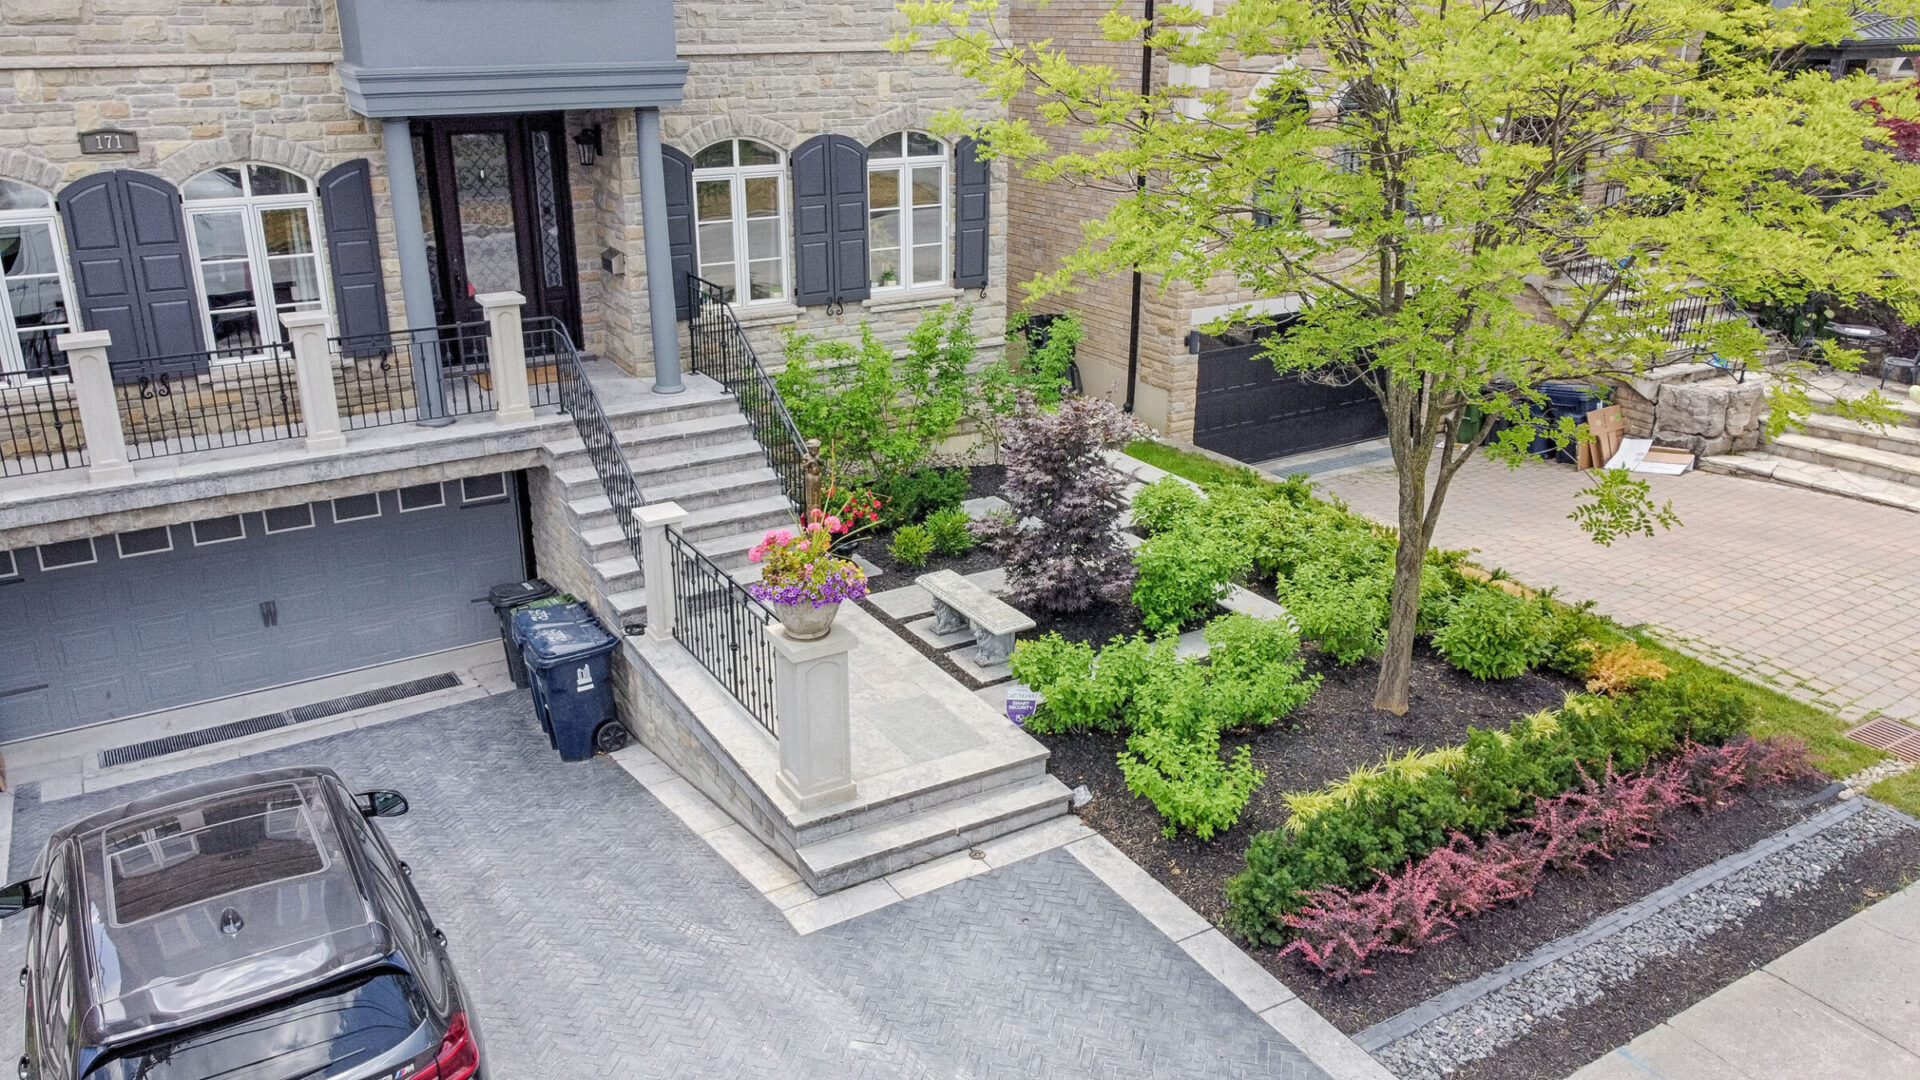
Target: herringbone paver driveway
x,y
1817,594
600,938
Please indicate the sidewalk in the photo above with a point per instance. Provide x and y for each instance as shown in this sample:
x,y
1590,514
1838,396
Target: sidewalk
x,y
1844,1006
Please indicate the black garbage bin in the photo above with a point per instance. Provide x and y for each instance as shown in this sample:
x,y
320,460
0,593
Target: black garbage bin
x,y
551,611
1573,400
504,599
567,665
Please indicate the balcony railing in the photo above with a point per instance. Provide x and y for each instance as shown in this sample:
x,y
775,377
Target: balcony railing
x,y
39,425
717,621
1685,314
382,378
207,400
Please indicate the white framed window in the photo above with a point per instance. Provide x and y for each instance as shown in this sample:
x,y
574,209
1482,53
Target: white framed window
x,y
255,234
740,220
422,497
138,542
65,553
8,568
39,296
907,223
356,507
288,518
491,487
219,530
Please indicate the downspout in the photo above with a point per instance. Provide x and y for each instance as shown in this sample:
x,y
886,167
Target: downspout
x,y
1139,187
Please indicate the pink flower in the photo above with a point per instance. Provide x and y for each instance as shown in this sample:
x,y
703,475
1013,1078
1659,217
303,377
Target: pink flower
x,y
758,552
814,527
833,523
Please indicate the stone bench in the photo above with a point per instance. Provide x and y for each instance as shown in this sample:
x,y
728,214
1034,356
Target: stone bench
x,y
960,604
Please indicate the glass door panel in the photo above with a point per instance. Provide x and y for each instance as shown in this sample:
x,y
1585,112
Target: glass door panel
x,y
489,230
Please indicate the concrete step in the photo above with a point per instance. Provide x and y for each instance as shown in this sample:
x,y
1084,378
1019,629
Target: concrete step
x,y
1903,403
1871,461
1851,485
631,605
580,480
698,428
1894,438
618,574
955,825
764,510
701,492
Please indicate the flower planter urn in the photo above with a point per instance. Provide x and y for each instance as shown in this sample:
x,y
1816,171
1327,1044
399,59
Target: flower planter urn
x,y
806,622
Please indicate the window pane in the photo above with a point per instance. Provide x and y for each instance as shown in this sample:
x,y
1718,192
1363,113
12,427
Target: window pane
x,y
235,330
721,275
763,196
926,186
926,225
886,229
763,238
764,278
717,156
885,265
716,243
926,265
296,280
753,153
37,302
921,144
27,249
714,200
268,180
885,146
220,236
228,284
288,232
218,184
15,195
883,188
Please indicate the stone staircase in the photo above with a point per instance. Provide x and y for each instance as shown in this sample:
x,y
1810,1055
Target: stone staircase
x,y
1841,456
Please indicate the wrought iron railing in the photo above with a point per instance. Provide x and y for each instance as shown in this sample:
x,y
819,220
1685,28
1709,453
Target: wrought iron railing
x,y
577,400
381,379
724,627
206,400
39,426
719,350
1686,314
544,338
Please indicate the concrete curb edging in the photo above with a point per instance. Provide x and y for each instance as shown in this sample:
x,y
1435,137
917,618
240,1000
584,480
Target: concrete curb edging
x,y
1395,1028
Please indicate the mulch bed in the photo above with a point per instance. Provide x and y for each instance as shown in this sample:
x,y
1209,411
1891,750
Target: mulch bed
x,y
981,480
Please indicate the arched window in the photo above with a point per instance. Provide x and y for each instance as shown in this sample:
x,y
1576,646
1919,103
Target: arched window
x,y
907,208
1352,121
740,219
256,243
39,296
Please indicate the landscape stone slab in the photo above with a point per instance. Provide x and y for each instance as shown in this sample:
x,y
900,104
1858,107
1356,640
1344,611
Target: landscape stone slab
x,y
984,505
1863,972
867,565
903,603
963,659
923,629
994,580
1767,1029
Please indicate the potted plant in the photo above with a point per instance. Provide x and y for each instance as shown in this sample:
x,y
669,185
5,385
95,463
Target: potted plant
x,y
803,581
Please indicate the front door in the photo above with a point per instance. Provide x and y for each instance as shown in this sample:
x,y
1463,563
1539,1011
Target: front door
x,y
494,189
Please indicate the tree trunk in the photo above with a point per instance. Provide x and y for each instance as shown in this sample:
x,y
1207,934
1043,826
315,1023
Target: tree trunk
x,y
1410,552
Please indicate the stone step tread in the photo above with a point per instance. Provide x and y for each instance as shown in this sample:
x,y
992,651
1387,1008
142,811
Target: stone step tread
x,y
616,567
1903,404
692,427
744,451
1806,474
1906,440
628,602
1830,451
768,507
715,484
948,820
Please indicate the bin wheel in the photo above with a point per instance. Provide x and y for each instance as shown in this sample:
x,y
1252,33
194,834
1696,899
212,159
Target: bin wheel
x,y
610,736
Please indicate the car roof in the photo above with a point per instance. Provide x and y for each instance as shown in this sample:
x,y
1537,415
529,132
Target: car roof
x,y
215,898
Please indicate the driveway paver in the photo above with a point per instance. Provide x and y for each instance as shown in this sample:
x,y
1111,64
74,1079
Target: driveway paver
x,y
599,937
1816,595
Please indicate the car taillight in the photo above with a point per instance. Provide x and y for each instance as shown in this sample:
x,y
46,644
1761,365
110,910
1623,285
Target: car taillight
x,y
457,1059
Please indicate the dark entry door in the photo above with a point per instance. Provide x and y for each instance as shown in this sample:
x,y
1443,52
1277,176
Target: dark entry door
x,y
495,189
1245,409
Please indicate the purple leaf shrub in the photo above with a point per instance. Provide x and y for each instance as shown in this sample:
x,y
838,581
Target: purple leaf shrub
x,y
1061,539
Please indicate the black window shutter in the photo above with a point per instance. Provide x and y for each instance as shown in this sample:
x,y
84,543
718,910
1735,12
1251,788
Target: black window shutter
x,y
973,203
678,174
353,255
132,270
830,221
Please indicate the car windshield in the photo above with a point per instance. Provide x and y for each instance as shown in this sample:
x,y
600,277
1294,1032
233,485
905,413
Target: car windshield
x,y
330,1030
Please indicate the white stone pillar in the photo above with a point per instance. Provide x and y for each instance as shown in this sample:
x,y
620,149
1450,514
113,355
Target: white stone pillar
x,y
656,565
93,400
811,701
507,355
313,375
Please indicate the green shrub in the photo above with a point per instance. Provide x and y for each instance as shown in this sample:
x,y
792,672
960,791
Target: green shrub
x,y
1167,500
1346,618
1700,704
1182,571
951,531
1082,692
912,497
911,545
1575,635
1255,673
1186,780
1492,635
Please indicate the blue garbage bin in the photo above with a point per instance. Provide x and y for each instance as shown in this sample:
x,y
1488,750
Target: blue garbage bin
x,y
1573,400
567,665
521,624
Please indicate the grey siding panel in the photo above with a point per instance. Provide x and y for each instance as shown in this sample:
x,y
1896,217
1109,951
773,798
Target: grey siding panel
x,y
973,212
678,177
353,257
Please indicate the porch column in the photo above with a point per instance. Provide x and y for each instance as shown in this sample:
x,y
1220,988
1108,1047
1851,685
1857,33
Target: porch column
x,y
810,697
656,566
653,223
313,377
507,355
416,285
93,400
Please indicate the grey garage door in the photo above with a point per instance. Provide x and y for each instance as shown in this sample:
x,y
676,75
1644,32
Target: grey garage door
x,y
128,623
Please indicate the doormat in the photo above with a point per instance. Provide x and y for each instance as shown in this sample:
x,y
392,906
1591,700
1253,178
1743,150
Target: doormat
x,y
253,725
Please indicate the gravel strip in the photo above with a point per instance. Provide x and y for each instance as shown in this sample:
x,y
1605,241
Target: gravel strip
x,y
1482,1027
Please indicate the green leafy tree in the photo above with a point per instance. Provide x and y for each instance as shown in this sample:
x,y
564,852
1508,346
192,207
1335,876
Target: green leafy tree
x,y
1411,171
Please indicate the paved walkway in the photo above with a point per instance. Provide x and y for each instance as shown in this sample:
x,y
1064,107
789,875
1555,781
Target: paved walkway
x,y
600,937
1844,1006
1814,594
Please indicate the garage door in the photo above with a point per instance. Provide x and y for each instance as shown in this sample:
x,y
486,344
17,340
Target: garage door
x,y
126,623
1245,409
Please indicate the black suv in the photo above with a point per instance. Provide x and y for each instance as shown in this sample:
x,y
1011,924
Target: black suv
x,y
252,928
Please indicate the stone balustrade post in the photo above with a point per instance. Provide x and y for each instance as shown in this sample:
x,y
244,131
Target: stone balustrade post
x,y
313,367
507,356
93,399
656,565
811,700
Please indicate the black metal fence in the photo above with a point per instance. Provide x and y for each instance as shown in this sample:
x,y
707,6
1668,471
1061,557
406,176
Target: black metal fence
x,y
1685,314
544,338
721,352
577,400
39,426
413,374
723,626
207,400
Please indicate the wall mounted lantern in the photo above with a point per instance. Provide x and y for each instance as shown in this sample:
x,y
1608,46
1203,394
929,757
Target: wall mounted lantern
x,y
587,144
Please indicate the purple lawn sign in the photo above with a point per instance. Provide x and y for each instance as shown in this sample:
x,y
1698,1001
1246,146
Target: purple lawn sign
x,y
1021,702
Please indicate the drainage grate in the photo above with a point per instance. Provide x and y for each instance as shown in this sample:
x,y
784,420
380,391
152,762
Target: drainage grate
x,y
253,725
1900,740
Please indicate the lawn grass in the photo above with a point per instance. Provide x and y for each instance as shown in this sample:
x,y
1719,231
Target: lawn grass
x,y
1198,468
1901,792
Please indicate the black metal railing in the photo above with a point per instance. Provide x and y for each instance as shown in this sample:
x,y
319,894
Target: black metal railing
x,y
577,400
1684,315
382,379
206,400
717,620
544,338
719,350
39,426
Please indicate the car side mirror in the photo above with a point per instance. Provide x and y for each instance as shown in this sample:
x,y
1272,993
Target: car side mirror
x,y
381,803
17,898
